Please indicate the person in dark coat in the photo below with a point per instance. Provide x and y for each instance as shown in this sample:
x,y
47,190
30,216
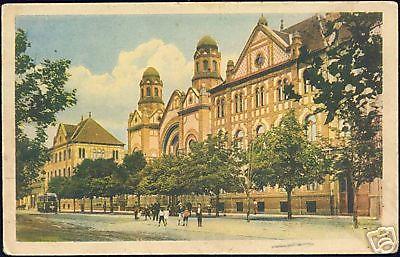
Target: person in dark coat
x,y
199,215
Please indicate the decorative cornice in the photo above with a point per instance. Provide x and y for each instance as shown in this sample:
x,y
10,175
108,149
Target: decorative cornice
x,y
206,75
194,109
140,126
151,99
251,77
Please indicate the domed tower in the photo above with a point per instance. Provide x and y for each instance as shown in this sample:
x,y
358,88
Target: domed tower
x,y
151,90
207,64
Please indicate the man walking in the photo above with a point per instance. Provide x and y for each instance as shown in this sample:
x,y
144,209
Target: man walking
x,y
199,215
161,217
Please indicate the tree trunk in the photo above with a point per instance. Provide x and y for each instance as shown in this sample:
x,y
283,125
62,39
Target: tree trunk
x,y
138,200
355,208
289,204
73,202
59,204
91,204
217,205
111,204
248,205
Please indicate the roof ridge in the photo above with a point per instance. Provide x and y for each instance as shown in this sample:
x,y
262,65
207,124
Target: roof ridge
x,y
288,28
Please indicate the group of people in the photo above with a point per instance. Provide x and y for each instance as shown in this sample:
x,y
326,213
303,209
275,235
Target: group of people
x,y
184,213
161,214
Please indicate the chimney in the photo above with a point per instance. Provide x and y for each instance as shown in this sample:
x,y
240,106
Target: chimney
x,y
281,28
81,117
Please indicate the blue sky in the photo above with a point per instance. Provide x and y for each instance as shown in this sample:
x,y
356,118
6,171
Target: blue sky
x,y
110,52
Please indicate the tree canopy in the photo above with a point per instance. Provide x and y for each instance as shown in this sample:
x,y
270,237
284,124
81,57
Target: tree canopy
x,y
40,94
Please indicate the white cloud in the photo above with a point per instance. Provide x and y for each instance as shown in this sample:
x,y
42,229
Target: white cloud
x,y
112,96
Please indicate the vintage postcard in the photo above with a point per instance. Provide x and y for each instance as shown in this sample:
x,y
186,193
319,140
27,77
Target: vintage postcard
x,y
184,128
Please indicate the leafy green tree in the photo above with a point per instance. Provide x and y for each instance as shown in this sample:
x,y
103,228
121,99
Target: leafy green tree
x,y
132,165
57,185
212,167
39,95
74,188
348,79
348,74
359,157
285,158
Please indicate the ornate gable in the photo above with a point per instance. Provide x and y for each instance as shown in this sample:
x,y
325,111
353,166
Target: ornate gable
x,y
191,98
263,49
135,118
61,136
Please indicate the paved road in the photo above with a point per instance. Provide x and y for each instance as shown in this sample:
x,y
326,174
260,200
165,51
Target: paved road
x,y
314,233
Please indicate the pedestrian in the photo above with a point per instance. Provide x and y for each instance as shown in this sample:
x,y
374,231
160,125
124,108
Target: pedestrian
x,y
157,209
104,206
255,206
153,210
180,213
136,212
161,217
199,215
146,212
186,214
166,215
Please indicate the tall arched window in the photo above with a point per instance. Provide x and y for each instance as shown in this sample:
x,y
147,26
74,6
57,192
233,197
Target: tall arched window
x,y
197,67
239,137
262,96
236,103
285,84
311,127
222,107
156,91
218,108
241,102
205,65
280,90
142,92
260,129
257,98
147,91
215,66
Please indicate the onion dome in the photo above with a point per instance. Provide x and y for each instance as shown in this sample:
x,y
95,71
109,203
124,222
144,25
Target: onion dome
x,y
207,42
150,72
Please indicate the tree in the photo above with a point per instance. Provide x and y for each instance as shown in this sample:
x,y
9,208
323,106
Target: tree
x,y
132,165
348,75
57,185
39,95
348,79
212,167
359,157
285,158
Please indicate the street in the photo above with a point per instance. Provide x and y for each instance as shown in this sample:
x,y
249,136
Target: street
x,y
273,230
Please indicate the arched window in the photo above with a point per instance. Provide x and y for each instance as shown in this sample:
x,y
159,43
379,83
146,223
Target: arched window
x,y
262,96
147,91
218,108
215,66
239,135
241,102
142,92
205,65
257,97
197,67
222,107
260,130
190,145
311,122
285,84
236,103
280,90
156,91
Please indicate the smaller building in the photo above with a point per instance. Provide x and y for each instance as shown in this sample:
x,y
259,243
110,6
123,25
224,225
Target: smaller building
x,y
74,143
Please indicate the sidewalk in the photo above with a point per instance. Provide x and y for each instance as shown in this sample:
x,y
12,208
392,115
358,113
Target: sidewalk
x,y
259,216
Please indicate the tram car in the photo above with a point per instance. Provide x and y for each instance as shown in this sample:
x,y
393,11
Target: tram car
x,y
47,203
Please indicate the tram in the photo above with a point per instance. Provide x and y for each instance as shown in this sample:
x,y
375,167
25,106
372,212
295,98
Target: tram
x,y
47,203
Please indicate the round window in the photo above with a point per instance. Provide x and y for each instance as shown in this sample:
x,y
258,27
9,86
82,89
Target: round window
x,y
259,60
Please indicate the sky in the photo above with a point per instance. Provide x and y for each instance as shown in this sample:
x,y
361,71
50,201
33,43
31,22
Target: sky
x,y
109,53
